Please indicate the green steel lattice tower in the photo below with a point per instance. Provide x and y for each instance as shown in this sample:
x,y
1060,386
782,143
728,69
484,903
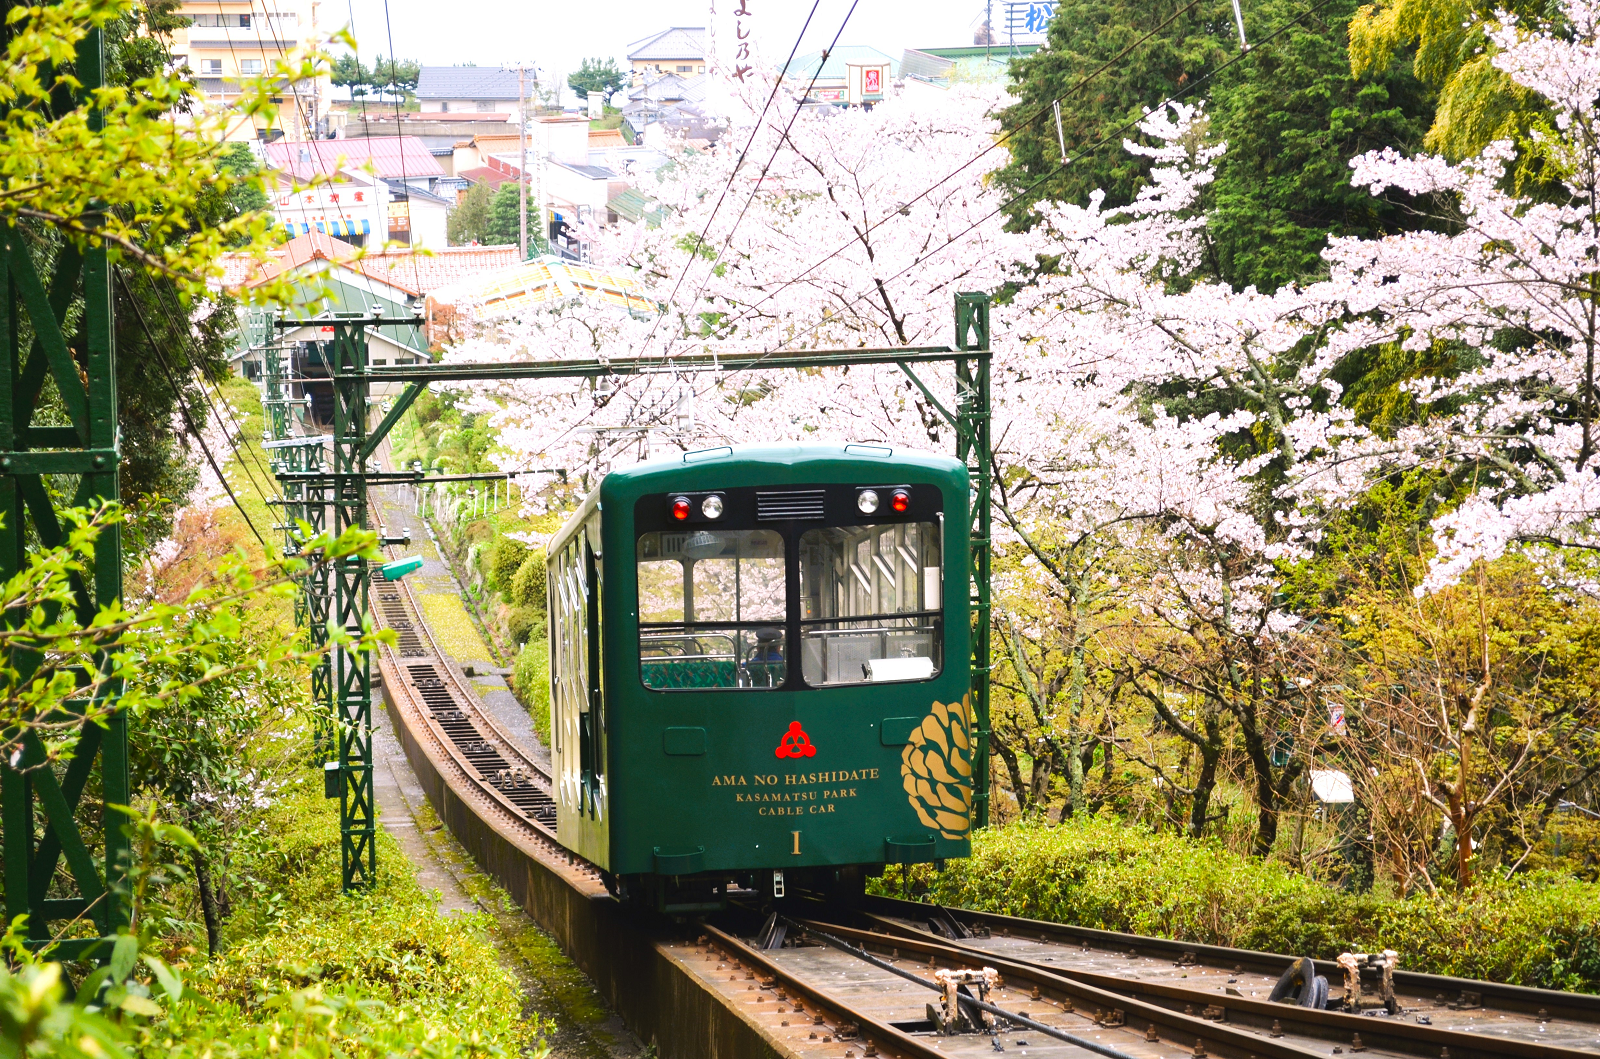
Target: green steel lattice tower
x,y
44,819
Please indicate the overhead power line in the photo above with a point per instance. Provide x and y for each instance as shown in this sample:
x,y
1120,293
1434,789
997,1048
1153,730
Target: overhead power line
x,y
902,209
183,409
1255,49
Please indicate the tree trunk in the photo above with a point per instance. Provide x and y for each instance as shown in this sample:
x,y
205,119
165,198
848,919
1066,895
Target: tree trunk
x,y
208,901
1074,728
1204,784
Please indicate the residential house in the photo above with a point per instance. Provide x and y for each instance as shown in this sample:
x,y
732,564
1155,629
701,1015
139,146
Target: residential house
x,y
228,42
473,89
848,75
680,50
332,276
387,186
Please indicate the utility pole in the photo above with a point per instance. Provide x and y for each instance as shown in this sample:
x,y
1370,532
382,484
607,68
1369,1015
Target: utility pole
x,y
522,69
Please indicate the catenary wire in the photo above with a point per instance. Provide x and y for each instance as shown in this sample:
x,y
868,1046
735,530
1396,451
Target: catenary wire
x,y
188,419
177,329
744,151
998,141
400,142
1186,91
1019,196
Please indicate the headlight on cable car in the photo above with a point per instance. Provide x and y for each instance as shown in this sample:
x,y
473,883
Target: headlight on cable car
x,y
867,501
711,507
900,500
681,508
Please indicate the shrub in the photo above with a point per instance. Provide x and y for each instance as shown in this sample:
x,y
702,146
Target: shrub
x,y
505,560
528,584
1538,930
530,679
524,625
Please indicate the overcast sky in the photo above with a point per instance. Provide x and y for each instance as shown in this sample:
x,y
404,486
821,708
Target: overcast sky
x,y
557,36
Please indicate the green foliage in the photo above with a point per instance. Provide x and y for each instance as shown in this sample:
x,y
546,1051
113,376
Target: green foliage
x,y
1292,116
163,654
528,586
524,624
59,164
391,75
530,679
505,222
506,557
469,219
1100,872
1453,55
597,75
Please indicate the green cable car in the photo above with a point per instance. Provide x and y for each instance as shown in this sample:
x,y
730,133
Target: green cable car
x,y
759,671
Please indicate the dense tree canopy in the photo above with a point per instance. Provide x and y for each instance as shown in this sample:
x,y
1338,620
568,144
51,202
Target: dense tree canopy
x,y
1292,117
597,75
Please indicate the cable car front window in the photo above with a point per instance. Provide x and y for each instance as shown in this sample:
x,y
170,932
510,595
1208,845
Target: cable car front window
x,y
871,605
711,609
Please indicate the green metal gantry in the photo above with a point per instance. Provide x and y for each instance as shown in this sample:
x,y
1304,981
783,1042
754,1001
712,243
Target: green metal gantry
x,y
43,815
348,694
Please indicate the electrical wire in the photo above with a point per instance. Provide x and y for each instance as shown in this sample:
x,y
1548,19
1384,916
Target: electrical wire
x,y
1019,196
755,188
183,410
900,211
777,83
177,329
400,140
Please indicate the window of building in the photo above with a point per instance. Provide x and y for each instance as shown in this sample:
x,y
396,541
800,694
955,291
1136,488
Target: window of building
x,y
211,66
485,106
712,605
444,107
249,66
702,69
870,606
683,69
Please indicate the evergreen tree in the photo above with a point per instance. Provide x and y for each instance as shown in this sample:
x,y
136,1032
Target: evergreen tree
x,y
596,75
1292,114
469,219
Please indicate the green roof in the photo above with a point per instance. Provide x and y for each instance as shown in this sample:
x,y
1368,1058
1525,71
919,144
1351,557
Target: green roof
x,y
999,52
804,67
633,205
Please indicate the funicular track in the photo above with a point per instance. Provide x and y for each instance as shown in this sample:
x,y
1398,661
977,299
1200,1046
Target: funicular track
x,y
854,983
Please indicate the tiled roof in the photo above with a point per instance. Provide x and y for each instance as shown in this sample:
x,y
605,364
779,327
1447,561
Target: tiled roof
x,y
467,82
390,156
804,67
600,139
486,175
679,42
410,272
543,281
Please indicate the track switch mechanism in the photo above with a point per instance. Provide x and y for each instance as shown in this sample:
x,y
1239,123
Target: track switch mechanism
x,y
950,1016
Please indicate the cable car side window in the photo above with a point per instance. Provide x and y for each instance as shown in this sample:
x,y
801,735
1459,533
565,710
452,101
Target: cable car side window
x,y
871,603
711,609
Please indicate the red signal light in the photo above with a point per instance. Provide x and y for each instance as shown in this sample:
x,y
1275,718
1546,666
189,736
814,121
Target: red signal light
x,y
681,508
900,501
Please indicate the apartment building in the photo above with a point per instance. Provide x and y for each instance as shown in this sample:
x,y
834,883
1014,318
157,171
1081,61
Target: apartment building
x,y
228,42
680,50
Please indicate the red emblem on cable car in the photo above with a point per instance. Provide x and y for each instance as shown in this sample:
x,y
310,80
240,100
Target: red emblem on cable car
x,y
796,743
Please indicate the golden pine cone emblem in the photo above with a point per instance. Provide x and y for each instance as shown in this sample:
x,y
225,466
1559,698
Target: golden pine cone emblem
x,y
936,768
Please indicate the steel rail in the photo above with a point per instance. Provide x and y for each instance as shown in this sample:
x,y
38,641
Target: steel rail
x,y
1132,1014
872,1032
1389,1034
1527,1000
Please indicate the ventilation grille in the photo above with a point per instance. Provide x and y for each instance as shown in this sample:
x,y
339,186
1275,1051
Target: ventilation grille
x,y
797,504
